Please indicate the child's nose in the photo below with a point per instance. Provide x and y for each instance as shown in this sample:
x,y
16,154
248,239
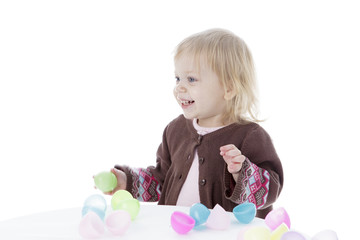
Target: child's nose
x,y
180,88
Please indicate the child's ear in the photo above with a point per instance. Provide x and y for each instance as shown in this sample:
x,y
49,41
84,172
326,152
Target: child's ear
x,y
229,94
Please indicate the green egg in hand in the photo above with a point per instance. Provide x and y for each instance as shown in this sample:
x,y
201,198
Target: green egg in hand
x,y
105,181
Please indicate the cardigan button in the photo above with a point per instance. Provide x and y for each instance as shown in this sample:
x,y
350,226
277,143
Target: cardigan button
x,y
203,182
201,160
188,157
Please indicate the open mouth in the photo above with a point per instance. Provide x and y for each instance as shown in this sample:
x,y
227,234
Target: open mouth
x,y
187,102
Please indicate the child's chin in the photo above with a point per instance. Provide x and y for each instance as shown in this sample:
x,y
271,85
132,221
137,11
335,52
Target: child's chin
x,y
188,116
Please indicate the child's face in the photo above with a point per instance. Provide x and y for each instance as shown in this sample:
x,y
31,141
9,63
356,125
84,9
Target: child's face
x,y
199,92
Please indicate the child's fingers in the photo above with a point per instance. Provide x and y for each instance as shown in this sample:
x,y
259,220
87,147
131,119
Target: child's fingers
x,y
233,157
227,147
234,168
112,192
233,153
238,159
230,150
234,164
109,193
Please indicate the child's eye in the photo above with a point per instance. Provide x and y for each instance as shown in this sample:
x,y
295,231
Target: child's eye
x,y
177,79
191,79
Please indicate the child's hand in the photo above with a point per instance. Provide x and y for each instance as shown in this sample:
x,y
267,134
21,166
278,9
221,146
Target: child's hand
x,y
121,181
233,158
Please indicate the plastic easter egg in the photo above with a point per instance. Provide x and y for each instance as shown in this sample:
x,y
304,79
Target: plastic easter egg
x,y
257,233
132,206
292,235
245,212
218,219
85,210
120,196
95,203
118,222
181,222
91,226
199,213
276,217
105,181
325,235
277,233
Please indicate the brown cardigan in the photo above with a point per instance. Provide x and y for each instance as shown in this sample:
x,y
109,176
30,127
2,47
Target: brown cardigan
x,y
176,153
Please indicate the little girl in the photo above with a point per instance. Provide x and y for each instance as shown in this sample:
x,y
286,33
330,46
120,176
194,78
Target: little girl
x,y
215,153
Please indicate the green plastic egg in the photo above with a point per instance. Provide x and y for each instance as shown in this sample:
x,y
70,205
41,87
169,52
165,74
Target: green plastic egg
x,y
105,181
123,200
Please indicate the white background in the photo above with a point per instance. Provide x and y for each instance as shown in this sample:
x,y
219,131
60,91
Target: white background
x,y
88,84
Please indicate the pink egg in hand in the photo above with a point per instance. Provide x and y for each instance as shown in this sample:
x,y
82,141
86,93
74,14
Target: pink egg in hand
x,y
276,217
218,219
91,226
118,222
181,222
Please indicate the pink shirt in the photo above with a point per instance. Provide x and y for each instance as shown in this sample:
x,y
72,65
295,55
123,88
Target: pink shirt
x,y
189,193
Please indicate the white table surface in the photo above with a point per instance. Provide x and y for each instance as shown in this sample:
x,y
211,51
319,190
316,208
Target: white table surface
x,y
153,222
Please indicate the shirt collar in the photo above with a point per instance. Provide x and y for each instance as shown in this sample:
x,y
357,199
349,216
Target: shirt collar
x,y
204,130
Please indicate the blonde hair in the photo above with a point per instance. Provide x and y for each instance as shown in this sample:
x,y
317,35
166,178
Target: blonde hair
x,y
231,60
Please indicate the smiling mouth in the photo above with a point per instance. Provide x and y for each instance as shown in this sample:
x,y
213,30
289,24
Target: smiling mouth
x,y
187,102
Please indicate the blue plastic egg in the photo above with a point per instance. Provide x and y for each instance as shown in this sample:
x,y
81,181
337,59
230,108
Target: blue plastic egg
x,y
95,203
199,213
245,212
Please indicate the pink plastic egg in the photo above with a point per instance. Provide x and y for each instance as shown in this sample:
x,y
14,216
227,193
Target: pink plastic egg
x,y
91,226
218,219
118,222
276,217
181,222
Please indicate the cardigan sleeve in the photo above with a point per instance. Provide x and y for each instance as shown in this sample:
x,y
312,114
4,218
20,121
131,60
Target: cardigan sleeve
x,y
261,177
141,184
